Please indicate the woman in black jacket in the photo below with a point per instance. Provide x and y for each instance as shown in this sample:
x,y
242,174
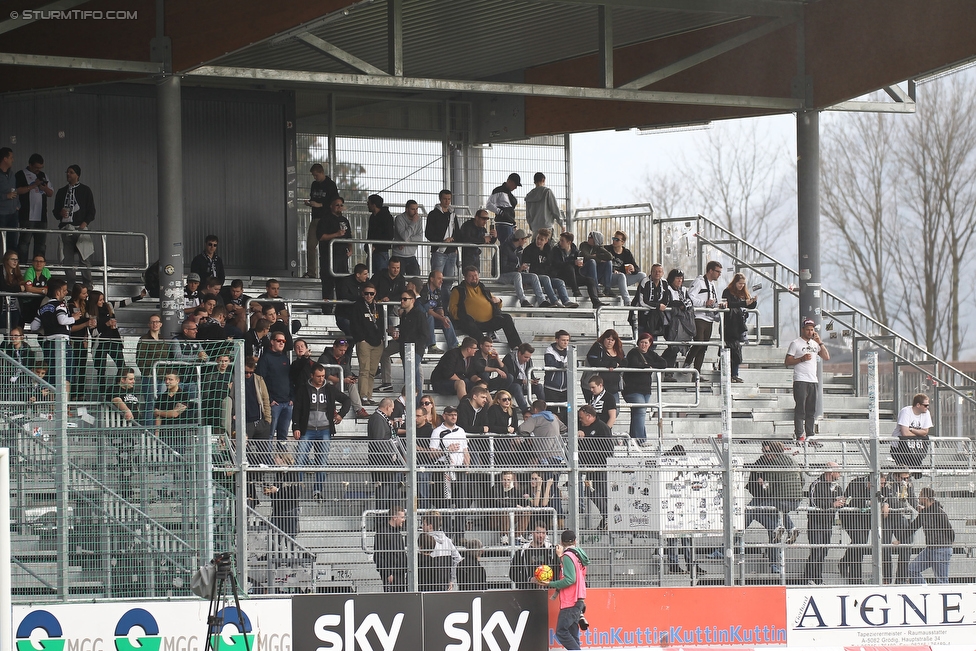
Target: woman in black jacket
x,y
637,386
502,420
367,330
607,352
738,299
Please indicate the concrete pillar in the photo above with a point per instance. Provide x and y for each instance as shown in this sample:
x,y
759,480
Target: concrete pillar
x,y
808,213
169,171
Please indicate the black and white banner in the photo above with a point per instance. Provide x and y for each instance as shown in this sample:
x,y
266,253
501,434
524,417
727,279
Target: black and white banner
x,y
459,621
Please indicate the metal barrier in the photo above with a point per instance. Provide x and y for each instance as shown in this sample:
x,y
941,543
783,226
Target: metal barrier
x,y
102,236
485,265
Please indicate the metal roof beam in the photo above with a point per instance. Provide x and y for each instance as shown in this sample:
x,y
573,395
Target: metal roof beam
x,y
394,28
80,63
706,54
904,102
605,28
734,7
339,54
896,93
23,20
504,88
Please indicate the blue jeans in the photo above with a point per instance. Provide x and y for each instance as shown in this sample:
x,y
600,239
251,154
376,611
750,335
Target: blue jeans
x,y
449,335
935,557
315,444
637,414
380,260
554,288
280,419
567,625
446,263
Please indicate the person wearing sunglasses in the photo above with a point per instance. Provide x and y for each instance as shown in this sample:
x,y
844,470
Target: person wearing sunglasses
x,y
275,367
412,330
208,264
623,259
367,328
910,440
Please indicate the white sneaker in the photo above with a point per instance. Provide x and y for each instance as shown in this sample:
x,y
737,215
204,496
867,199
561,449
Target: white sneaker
x,y
504,539
778,535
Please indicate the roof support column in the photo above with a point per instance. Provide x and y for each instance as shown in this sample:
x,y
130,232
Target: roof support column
x,y
808,222
169,172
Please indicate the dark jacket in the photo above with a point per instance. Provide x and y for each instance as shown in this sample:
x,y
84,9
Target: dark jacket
x,y
735,319
436,228
388,288
323,192
598,356
471,575
511,257
366,323
526,560
348,289
470,421
21,181
822,494
207,268
935,523
536,258
498,421
389,552
596,446
275,370
625,257
641,382
338,403
649,295
781,478
511,367
86,205
380,228
451,363
413,329
379,433
471,233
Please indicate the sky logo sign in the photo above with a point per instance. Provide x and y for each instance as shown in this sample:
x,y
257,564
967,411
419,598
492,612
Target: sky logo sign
x,y
40,619
237,641
131,619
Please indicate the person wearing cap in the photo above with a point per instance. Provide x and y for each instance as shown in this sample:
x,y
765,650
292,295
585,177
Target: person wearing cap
x,y
475,231
541,207
502,202
802,357
514,271
191,293
74,208
570,590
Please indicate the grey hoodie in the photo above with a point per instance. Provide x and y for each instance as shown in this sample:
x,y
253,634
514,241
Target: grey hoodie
x,y
545,430
542,209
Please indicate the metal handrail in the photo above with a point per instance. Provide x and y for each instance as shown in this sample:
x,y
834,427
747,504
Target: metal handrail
x,y
837,316
721,322
493,247
102,235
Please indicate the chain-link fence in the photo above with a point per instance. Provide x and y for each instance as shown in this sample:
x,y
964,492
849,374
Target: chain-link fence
x,y
124,496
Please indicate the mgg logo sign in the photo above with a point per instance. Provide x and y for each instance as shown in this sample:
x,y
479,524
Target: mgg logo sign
x,y
137,617
239,620
40,621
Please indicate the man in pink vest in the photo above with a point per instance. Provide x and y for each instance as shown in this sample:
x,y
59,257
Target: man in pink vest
x,y
571,590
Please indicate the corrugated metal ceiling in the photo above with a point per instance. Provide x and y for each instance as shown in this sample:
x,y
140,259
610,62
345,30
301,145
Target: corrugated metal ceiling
x,y
470,39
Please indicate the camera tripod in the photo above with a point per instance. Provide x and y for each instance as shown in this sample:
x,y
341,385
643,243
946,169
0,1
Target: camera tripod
x,y
219,601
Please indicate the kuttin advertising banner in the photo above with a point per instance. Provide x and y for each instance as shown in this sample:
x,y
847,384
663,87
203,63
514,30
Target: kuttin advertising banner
x,y
882,616
151,626
681,617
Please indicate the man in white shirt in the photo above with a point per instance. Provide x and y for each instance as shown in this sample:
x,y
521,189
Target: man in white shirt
x,y
802,356
452,442
911,435
704,294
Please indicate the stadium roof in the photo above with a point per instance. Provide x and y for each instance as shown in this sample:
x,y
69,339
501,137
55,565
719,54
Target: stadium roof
x,y
580,65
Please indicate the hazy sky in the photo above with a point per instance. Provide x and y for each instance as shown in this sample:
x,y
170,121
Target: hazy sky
x,y
609,167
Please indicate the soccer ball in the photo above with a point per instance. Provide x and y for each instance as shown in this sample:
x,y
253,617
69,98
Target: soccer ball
x,y
543,574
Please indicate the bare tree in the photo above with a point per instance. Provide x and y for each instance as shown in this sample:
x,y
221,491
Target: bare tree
x,y
859,177
737,180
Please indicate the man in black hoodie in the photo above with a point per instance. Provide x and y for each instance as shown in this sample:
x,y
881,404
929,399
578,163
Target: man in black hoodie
x,y
380,228
939,536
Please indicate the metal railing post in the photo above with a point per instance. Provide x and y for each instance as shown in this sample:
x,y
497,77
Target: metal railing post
x,y
728,489
875,460
572,441
63,480
242,464
410,380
